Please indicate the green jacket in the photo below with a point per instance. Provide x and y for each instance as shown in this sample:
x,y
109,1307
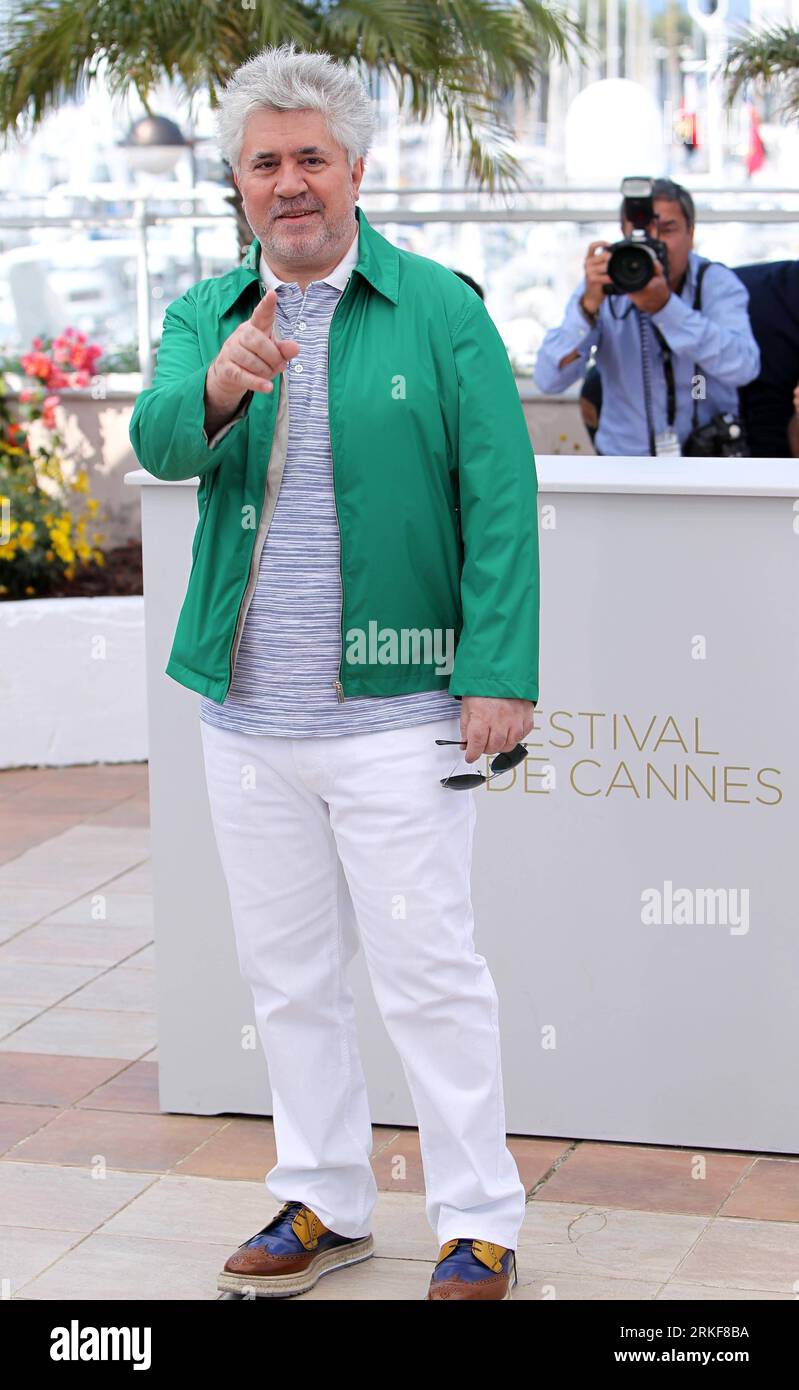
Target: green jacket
x,y
434,477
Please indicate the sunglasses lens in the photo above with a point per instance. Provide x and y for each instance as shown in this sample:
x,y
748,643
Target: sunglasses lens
x,y
503,761
463,781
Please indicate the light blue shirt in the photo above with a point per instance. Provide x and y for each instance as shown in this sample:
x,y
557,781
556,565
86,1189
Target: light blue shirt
x,y
718,337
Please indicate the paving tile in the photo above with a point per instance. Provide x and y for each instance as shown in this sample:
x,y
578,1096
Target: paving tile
x,y
587,1288
132,990
735,1253
699,1293
401,1229
79,858
132,811
107,907
127,1142
178,1207
9,929
28,904
634,1177
138,880
27,1253
37,982
398,1165
17,1122
12,1016
134,1089
382,1134
72,877
85,1033
98,945
21,833
64,1199
15,779
535,1157
181,1208
241,1150
605,1242
101,784
143,959
106,1268
769,1191
33,1078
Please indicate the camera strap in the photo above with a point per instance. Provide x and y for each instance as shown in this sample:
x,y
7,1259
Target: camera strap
x,y
697,304
668,358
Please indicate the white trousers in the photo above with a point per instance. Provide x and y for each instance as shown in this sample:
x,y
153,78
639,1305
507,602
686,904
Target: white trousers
x,y
301,824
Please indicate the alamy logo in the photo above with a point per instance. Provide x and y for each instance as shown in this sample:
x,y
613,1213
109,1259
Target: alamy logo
x,y
391,646
76,1343
727,907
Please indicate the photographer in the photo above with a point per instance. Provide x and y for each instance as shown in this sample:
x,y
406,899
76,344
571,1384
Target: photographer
x,y
668,369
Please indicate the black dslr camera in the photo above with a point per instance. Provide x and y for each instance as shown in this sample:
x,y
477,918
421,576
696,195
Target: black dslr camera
x,y
723,437
632,260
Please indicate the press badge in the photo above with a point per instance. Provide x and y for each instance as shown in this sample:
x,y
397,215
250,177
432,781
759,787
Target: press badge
x,y
668,443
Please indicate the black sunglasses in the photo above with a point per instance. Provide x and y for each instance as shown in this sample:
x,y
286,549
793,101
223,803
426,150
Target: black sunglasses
x,y
503,762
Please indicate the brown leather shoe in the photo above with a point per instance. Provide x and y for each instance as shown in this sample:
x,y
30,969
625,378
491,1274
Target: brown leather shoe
x,y
473,1269
287,1257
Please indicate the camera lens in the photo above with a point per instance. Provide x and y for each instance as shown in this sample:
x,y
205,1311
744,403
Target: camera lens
x,y
631,267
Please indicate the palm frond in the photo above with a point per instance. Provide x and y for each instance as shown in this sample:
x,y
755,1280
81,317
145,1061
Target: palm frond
x,y
461,57
768,59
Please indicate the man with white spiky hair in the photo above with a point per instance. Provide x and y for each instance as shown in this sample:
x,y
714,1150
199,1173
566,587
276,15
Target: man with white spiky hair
x,y
363,595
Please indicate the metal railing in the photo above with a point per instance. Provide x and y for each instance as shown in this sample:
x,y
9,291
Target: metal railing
x,y
141,219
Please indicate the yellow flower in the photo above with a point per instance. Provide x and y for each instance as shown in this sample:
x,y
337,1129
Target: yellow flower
x,y
92,505
99,557
81,482
29,589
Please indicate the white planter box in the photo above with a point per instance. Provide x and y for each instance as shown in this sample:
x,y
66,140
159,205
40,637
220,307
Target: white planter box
x,y
72,681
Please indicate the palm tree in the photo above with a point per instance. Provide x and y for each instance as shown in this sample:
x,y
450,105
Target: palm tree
x,y
768,58
459,57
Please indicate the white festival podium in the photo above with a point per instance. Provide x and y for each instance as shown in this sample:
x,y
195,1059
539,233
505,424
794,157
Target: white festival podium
x,y
633,882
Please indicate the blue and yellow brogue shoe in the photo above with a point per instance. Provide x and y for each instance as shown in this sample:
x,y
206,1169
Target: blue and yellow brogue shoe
x,y
473,1269
287,1257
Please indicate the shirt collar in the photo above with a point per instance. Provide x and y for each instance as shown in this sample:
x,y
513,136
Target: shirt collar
x,y
338,276
378,265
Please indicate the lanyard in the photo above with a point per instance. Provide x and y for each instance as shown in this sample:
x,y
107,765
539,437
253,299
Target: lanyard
x,y
668,372
668,356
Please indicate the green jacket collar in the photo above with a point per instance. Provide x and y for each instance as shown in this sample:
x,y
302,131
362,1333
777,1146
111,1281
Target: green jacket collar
x,y
378,262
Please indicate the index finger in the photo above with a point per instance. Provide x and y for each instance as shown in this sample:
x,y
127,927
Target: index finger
x,y
263,315
594,244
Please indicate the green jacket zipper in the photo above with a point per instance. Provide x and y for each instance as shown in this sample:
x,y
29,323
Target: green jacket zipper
x,y
337,685
255,558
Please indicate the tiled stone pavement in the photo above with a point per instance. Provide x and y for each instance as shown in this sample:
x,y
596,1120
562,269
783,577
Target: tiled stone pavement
x,y
78,1090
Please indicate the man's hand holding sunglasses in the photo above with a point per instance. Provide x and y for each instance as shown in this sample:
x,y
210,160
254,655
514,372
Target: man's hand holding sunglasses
x,y
493,726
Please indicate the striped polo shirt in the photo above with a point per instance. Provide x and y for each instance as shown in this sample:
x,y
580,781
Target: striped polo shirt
x,y
288,657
